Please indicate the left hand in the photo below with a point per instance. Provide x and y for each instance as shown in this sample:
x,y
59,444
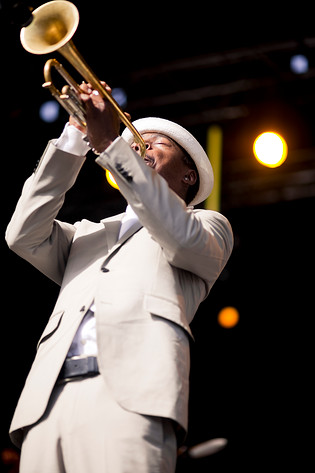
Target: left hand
x,y
102,120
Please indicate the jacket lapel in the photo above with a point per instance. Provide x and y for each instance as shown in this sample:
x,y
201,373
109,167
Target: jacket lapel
x,y
112,227
133,229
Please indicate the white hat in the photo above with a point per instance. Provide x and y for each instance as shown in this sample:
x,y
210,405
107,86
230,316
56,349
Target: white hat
x,y
186,141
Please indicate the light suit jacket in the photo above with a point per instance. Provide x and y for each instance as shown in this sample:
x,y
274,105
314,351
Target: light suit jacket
x,y
147,286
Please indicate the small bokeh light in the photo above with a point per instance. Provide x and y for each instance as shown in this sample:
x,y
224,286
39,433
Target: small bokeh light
x,y
270,149
228,317
120,96
299,64
49,111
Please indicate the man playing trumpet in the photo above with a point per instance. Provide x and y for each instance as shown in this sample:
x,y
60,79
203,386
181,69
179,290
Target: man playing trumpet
x,y
108,389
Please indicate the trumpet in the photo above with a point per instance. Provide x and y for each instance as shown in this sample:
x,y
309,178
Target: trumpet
x,y
52,27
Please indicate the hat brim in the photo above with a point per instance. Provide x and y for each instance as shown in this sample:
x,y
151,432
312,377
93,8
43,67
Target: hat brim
x,y
187,141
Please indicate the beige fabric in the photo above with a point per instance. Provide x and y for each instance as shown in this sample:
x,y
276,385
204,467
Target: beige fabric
x,y
85,431
147,286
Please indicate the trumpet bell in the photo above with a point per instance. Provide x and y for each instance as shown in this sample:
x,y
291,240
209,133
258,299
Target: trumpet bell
x,y
54,23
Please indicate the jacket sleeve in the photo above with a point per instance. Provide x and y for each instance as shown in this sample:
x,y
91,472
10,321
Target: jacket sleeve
x,y
33,232
199,241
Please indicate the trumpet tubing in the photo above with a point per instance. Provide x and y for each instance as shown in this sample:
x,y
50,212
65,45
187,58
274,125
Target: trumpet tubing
x,y
69,96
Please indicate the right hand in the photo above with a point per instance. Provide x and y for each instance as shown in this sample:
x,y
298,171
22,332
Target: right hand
x,y
102,120
87,90
88,98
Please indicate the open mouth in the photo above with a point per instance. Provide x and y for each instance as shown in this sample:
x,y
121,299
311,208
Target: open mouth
x,y
149,161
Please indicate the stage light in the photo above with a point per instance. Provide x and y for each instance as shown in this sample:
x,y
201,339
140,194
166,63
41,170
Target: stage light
x,y
228,317
214,149
111,180
270,149
299,64
49,111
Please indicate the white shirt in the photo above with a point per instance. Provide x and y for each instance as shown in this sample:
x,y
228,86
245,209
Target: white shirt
x,y
84,342
127,221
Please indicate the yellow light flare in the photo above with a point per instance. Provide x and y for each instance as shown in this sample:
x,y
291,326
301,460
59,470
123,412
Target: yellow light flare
x,y
270,149
228,317
111,180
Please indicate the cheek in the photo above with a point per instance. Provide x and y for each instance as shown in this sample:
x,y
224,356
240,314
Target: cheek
x,y
168,172
172,177
168,167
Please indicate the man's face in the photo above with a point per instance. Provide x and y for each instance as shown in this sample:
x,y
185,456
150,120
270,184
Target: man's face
x,y
165,157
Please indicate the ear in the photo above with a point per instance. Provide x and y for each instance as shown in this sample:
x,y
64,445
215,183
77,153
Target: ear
x,y
190,177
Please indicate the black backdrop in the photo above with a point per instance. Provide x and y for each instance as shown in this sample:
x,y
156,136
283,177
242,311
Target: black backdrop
x,y
249,384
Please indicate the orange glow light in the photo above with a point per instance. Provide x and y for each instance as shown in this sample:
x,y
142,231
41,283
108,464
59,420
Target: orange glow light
x,y
228,317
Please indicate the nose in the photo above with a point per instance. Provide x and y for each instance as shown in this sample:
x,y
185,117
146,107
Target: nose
x,y
137,149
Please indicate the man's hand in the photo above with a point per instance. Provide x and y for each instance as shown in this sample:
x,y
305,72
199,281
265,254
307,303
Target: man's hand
x,y
73,122
102,120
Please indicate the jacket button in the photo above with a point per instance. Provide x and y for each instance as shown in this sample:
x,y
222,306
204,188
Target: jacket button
x,y
104,269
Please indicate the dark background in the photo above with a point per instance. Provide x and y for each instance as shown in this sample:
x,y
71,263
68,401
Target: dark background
x,y
198,64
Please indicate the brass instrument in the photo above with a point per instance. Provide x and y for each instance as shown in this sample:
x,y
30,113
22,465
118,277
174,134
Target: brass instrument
x,y
53,25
